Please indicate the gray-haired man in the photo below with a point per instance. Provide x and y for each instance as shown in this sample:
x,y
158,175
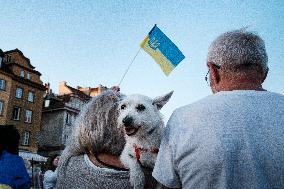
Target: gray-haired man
x,y
234,138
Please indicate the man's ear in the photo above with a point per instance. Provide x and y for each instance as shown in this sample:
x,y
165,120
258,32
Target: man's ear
x,y
214,74
160,101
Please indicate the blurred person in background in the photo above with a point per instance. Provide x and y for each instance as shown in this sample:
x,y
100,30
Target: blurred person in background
x,y
50,176
13,173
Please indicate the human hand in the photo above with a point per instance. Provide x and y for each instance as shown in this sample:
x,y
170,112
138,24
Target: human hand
x,y
115,89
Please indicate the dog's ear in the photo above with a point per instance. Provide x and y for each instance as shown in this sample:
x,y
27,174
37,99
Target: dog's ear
x,y
160,101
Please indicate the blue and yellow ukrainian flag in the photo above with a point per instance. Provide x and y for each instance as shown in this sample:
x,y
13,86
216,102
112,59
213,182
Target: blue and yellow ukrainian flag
x,y
162,49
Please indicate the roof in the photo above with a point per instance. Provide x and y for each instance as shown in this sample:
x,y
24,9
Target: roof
x,y
79,93
29,69
5,69
21,54
58,103
54,103
1,53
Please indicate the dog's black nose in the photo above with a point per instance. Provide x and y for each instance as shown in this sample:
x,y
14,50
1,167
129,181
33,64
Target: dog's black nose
x,y
127,121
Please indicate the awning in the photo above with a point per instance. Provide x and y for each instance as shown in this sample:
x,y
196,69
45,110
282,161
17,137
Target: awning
x,y
32,156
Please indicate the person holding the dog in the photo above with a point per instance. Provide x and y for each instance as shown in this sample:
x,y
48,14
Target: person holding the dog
x,y
92,158
233,138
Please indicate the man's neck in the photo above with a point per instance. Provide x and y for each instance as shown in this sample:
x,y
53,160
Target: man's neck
x,y
241,85
242,88
107,159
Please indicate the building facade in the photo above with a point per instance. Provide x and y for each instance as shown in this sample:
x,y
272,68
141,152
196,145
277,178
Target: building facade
x,y
92,91
21,97
58,118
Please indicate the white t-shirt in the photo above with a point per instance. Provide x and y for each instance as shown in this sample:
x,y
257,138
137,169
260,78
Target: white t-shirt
x,y
232,139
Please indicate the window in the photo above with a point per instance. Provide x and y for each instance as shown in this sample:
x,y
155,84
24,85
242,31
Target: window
x,y
68,118
16,113
22,73
8,58
19,92
31,96
26,138
2,84
1,107
46,103
28,118
29,76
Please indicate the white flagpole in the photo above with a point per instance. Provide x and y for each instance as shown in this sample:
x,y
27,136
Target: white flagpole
x,y
129,67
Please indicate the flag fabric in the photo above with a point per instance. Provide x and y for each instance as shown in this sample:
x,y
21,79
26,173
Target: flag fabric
x,y
162,49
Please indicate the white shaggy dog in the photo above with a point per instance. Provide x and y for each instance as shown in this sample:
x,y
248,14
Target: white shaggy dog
x,y
143,125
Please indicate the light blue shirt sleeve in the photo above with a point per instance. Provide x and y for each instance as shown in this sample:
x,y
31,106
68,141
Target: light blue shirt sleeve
x,y
165,170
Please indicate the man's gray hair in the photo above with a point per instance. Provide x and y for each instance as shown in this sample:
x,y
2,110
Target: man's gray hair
x,y
235,48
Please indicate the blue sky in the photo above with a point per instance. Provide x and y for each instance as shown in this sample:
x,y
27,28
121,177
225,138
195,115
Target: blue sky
x,y
88,43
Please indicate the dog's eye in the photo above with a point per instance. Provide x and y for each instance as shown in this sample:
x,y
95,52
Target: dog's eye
x,y
123,106
140,107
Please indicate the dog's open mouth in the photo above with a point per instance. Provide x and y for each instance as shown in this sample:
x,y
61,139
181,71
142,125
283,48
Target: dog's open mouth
x,y
131,130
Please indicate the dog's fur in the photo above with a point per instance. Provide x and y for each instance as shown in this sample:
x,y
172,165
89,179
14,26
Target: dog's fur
x,y
143,125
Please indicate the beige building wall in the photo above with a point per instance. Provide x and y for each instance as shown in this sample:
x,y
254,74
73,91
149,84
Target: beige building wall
x,y
63,89
16,62
4,97
24,104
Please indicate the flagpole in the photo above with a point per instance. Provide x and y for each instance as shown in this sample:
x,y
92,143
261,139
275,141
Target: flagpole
x,y
129,67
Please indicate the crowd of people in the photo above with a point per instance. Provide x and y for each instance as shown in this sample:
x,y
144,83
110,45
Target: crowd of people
x,y
18,173
230,139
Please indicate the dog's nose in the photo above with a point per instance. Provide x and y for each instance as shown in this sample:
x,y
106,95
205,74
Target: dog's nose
x,y
127,121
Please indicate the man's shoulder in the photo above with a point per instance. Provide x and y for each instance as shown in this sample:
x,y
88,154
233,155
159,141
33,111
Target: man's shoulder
x,y
203,111
204,102
183,118
11,157
225,97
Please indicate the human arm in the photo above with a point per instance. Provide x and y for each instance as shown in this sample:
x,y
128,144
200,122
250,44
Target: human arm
x,y
115,89
165,170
